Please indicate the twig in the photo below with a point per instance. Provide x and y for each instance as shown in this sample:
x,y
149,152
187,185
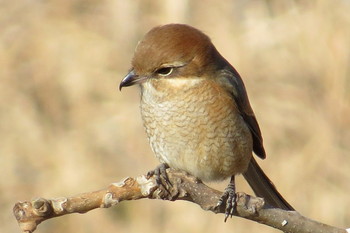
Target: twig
x,y
30,214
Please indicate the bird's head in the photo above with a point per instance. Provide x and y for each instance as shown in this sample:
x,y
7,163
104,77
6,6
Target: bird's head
x,y
172,51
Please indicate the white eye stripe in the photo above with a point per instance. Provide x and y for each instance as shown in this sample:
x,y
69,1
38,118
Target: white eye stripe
x,y
182,82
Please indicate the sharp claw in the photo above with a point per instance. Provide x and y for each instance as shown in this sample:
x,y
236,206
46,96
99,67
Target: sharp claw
x,y
149,174
220,202
229,198
161,176
226,217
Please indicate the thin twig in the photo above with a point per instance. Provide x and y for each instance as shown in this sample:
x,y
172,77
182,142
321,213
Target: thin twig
x,y
30,214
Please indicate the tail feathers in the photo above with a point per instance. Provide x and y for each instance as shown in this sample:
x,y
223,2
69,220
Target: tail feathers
x,y
263,186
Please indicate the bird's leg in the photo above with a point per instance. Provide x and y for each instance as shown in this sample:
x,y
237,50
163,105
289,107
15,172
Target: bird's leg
x,y
229,197
161,176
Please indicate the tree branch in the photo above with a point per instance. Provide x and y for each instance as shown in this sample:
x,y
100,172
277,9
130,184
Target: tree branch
x,y
29,214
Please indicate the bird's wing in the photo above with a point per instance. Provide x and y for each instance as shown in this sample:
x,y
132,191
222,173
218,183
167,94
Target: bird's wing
x,y
240,95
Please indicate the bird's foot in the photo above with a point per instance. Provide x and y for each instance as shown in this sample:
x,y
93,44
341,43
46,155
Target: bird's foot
x,y
161,176
229,199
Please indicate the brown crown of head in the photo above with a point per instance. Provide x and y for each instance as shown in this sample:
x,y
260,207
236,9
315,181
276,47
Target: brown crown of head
x,y
176,45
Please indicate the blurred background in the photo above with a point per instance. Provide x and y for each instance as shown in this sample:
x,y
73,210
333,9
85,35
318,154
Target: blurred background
x,y
66,129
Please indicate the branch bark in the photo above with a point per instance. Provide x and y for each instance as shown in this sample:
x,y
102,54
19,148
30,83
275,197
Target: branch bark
x,y
30,214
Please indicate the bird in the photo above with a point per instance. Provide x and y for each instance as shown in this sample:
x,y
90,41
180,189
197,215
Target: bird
x,y
196,112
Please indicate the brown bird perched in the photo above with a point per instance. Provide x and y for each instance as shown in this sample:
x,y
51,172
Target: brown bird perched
x,y
196,111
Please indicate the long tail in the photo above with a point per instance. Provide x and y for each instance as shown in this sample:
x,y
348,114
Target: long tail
x,y
263,186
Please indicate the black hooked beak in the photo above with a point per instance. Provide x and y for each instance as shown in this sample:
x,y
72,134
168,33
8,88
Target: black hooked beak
x,y
131,79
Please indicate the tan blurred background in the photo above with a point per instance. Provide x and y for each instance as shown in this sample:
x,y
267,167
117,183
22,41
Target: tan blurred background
x,y
66,129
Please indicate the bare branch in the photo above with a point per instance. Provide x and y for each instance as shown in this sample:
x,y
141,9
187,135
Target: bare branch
x,y
29,214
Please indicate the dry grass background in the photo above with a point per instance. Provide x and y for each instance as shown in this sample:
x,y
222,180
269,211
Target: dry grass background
x,y
66,129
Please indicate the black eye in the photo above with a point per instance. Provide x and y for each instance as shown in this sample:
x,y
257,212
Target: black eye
x,y
165,71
